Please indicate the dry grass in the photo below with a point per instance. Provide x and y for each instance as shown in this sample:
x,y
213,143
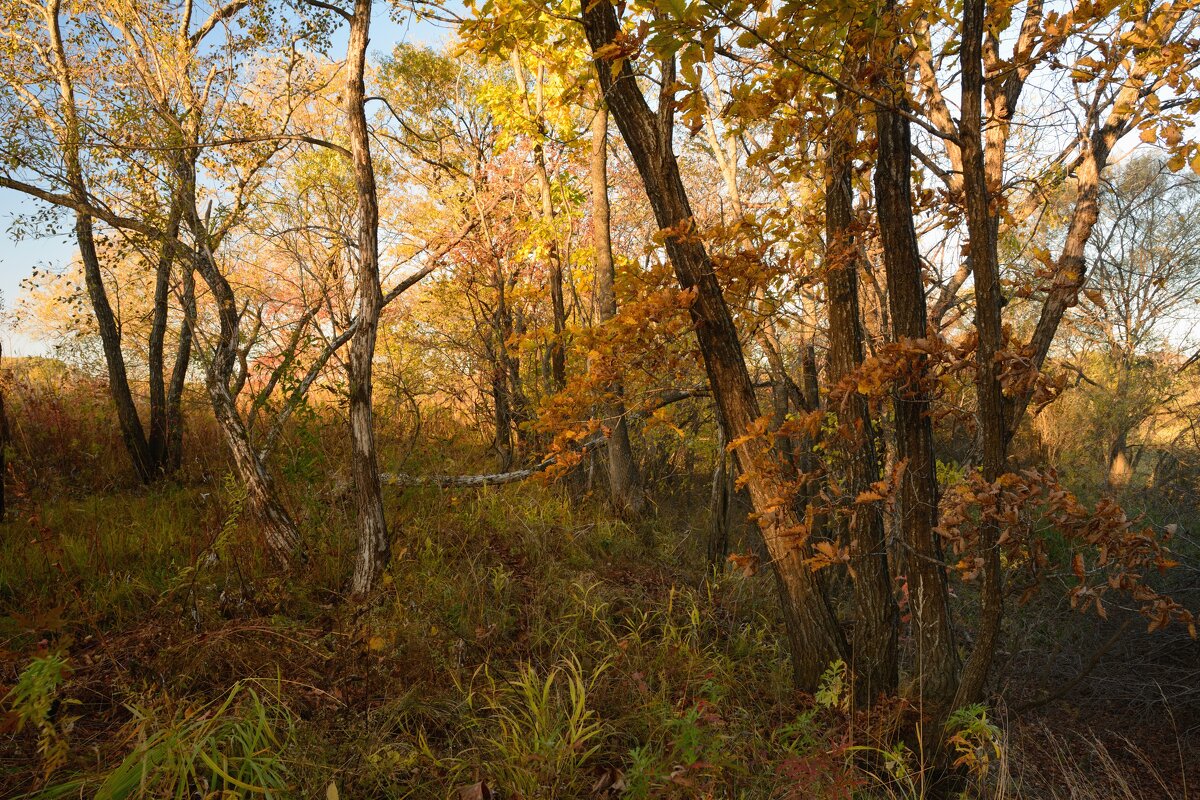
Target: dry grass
x,y
522,638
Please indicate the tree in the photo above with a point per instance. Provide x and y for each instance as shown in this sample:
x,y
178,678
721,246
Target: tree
x,y
624,482
814,636
41,95
371,552
1122,338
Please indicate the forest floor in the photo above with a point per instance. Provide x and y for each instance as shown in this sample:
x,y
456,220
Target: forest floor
x,y
523,645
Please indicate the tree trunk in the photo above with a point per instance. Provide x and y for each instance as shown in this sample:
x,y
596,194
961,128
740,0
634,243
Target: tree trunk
x,y
624,482
502,441
372,548
279,531
183,357
1120,466
132,432
813,632
982,230
158,442
876,617
557,351
720,519
936,659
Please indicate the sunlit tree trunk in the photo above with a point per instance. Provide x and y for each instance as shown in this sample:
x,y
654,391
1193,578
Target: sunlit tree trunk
x,y
183,360
624,482
372,547
164,405
279,530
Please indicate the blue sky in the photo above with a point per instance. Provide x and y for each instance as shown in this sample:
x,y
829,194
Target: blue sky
x,y
18,258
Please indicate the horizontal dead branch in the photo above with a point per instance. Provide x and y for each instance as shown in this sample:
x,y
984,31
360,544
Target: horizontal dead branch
x,y
403,480
479,481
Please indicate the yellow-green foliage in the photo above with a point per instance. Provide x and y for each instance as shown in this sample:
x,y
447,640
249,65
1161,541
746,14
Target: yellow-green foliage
x,y
33,699
228,748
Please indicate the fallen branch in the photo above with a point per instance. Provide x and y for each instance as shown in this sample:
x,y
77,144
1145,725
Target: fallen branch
x,y
493,479
500,478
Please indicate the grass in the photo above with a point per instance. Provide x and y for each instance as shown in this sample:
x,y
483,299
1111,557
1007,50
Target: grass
x,y
520,640
523,643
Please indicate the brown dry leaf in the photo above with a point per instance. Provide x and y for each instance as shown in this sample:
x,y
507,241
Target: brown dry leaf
x,y
747,563
475,791
610,783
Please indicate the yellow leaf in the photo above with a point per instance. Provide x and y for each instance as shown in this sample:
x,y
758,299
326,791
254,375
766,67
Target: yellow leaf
x,y
331,791
374,643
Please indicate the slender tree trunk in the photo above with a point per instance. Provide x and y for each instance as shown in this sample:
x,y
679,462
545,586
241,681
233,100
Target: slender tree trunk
x,y
814,635
557,353
936,658
372,549
624,482
279,531
1071,268
183,358
873,648
132,432
502,441
982,230
720,519
159,438
1070,272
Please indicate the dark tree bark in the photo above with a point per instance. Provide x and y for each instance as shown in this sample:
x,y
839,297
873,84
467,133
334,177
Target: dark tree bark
x,y
372,549
720,506
936,658
132,432
873,647
183,358
814,635
982,230
149,451
624,482
502,441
